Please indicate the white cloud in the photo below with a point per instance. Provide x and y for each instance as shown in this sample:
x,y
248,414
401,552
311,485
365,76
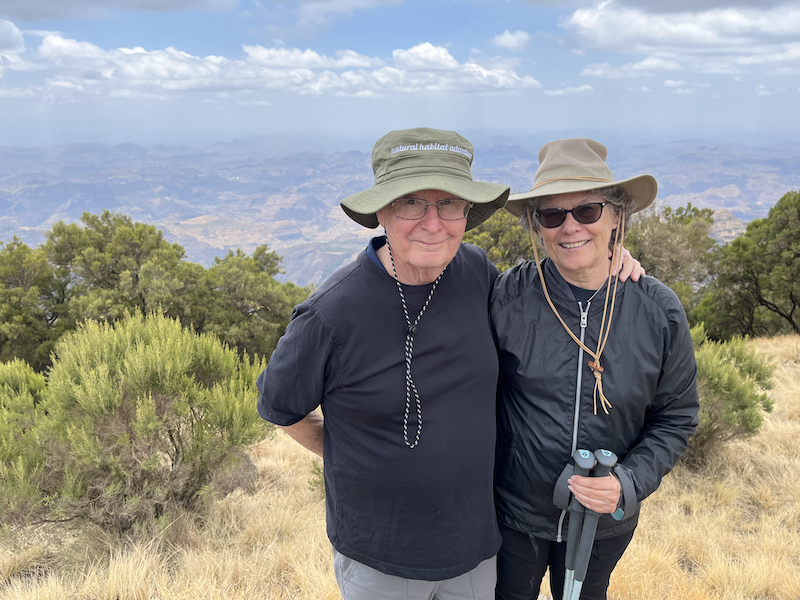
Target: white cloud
x,y
672,83
640,90
786,53
12,48
611,28
57,49
516,41
761,90
682,91
10,38
424,57
643,68
696,5
712,40
582,89
80,69
293,58
498,79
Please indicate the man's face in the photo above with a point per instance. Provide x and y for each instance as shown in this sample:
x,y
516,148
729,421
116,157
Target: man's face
x,y
422,248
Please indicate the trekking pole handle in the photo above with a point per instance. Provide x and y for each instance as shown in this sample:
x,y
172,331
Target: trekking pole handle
x,y
584,461
605,462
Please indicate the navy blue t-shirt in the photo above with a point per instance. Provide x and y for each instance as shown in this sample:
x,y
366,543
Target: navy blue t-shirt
x,y
422,513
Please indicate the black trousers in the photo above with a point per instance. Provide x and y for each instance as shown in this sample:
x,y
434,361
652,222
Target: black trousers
x,y
523,561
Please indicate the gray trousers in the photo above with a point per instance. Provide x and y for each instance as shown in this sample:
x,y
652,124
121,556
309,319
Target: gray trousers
x,y
357,581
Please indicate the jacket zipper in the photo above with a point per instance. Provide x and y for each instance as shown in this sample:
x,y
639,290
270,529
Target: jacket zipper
x,y
577,412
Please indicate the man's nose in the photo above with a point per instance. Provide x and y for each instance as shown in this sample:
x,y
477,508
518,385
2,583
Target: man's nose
x,y
431,217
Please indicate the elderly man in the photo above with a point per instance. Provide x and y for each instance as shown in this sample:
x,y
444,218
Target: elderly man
x,y
397,349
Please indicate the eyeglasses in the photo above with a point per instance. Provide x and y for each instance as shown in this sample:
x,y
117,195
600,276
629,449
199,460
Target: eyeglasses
x,y
584,214
413,209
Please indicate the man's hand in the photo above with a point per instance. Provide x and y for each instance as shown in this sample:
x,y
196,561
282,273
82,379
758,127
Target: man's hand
x,y
630,266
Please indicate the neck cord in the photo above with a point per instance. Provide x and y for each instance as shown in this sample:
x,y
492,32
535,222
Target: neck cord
x,y
594,365
597,291
409,351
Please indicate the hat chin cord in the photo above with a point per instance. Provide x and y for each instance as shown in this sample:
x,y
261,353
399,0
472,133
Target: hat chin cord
x,y
605,328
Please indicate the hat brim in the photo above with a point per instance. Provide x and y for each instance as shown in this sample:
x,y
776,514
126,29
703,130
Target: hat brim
x,y
642,189
486,197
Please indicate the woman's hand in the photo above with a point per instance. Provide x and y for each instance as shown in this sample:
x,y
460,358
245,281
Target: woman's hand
x,y
630,266
600,494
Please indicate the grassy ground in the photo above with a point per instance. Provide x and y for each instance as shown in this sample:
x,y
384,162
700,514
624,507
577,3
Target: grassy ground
x,y
731,531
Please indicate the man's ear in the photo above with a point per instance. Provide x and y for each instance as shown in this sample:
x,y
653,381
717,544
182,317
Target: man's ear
x,y
381,214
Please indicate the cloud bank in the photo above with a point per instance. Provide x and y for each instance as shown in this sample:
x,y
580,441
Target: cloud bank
x,y
81,71
708,39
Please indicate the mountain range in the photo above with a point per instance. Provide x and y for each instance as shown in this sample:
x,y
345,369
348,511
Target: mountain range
x,y
255,191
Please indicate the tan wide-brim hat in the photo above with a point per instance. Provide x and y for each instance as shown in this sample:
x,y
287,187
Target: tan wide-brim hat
x,y
412,160
579,165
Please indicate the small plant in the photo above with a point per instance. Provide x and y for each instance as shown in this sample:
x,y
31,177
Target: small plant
x,y
136,418
732,380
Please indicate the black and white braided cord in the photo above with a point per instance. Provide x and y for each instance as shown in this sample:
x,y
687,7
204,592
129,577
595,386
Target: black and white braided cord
x,y
409,353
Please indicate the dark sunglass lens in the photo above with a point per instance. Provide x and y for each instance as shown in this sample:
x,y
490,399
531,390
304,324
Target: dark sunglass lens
x,y
552,217
587,213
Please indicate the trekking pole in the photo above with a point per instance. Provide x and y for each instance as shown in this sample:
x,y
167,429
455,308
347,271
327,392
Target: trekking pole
x,y
605,460
584,461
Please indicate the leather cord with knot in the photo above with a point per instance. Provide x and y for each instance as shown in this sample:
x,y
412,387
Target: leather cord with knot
x,y
605,327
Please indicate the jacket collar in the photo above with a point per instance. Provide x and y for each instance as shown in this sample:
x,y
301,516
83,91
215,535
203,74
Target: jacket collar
x,y
558,287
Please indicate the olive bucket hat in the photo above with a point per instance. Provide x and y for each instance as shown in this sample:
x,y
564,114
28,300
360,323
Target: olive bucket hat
x,y
412,160
579,165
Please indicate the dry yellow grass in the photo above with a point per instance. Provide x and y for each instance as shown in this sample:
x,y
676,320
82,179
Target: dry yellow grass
x,y
731,531
270,545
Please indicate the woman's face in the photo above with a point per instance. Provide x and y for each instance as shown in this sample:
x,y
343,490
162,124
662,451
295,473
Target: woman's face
x,y
580,252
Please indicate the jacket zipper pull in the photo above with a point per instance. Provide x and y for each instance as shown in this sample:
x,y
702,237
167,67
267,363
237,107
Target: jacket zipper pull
x,y
584,313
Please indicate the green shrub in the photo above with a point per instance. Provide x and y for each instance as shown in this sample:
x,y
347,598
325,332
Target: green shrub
x,y
732,379
141,413
21,453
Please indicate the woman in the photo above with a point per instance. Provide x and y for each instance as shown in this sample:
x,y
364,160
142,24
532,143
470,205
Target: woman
x,y
586,362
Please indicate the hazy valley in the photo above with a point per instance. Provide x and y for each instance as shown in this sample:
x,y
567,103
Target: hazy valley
x,y
245,193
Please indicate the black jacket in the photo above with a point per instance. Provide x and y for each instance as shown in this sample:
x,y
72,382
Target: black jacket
x,y
649,377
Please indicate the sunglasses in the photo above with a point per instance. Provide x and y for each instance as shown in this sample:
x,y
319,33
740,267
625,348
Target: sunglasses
x,y
583,214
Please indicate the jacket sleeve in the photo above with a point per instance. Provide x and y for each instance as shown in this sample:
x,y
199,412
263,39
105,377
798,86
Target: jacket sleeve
x,y
672,417
301,370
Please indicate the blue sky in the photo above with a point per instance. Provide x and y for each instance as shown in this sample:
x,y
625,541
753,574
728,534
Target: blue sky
x,y
189,71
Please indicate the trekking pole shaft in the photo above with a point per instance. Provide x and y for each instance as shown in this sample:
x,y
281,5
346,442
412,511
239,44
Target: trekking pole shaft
x,y
584,461
606,460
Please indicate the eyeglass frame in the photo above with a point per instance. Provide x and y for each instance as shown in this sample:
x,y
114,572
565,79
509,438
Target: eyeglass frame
x,y
564,211
437,204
